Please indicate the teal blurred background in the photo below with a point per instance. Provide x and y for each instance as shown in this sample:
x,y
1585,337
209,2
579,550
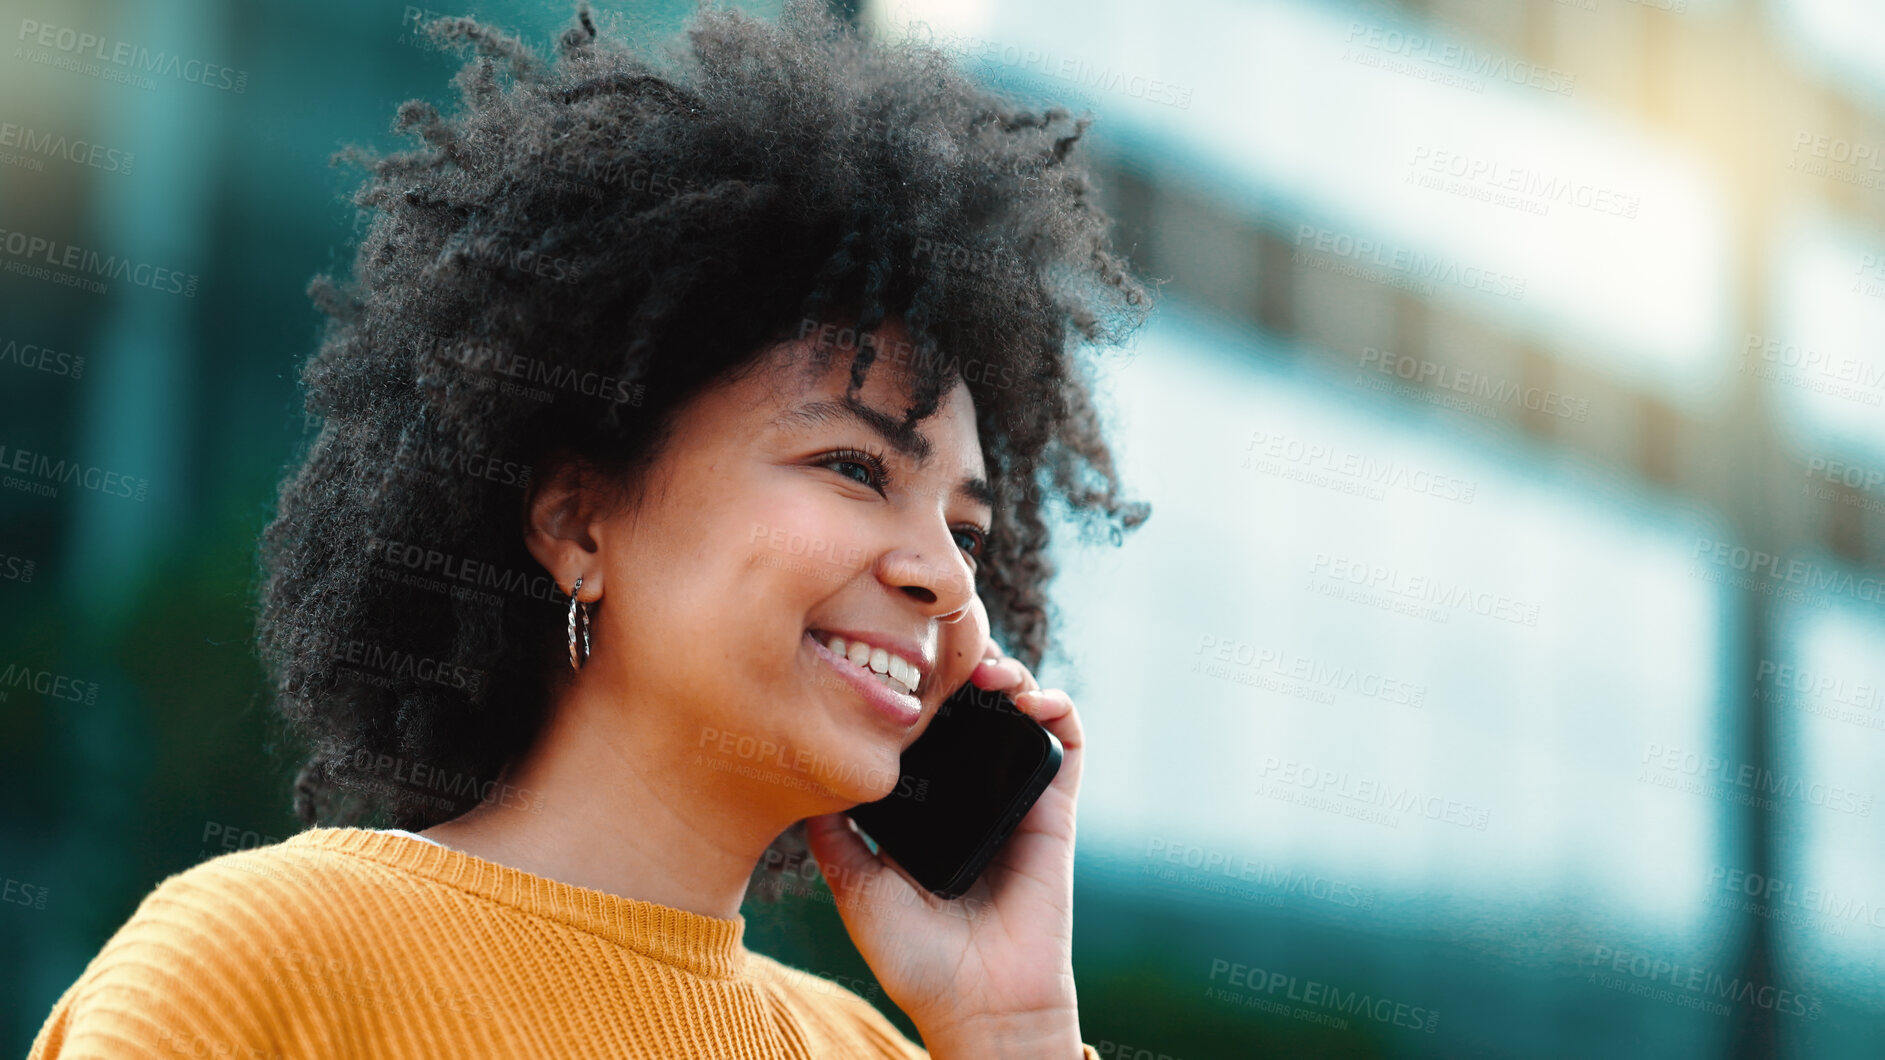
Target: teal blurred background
x,y
1507,647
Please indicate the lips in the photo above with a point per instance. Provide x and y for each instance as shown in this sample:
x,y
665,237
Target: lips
x,y
897,672
897,706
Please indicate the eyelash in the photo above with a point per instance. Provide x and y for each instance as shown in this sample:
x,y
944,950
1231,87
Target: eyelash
x,y
875,462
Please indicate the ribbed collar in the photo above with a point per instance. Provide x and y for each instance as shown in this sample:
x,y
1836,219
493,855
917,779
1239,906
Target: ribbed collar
x,y
705,945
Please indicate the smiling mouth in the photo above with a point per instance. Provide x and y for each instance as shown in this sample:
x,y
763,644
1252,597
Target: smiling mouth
x,y
888,669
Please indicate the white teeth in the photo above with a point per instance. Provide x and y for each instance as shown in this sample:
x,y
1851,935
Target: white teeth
x,y
893,670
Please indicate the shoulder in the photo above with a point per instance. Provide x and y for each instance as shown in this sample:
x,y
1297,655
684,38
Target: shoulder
x,y
838,1010
242,902
187,972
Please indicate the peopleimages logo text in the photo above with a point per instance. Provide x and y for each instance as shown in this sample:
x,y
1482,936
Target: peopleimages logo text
x,y
48,683
1369,791
131,56
1793,571
40,359
481,573
1757,779
42,470
1415,266
1704,984
1317,994
78,152
1459,57
59,255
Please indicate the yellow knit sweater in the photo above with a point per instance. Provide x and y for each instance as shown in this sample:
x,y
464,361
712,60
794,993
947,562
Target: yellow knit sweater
x,y
344,942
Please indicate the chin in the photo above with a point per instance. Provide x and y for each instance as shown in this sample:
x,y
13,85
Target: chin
x,y
856,761
857,771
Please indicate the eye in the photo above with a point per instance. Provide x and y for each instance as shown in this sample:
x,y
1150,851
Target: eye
x,y
977,540
875,474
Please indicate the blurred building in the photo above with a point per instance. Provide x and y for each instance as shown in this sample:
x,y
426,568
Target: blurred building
x,y
1501,673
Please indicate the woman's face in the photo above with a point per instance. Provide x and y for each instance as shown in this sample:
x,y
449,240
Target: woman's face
x,y
779,517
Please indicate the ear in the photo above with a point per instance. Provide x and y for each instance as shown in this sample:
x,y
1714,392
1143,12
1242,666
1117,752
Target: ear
x,y
563,517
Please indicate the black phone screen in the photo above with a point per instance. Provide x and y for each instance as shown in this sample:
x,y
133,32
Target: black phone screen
x,y
965,784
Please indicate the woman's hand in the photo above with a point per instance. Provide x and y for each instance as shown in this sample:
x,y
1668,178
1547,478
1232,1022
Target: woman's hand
x,y
990,973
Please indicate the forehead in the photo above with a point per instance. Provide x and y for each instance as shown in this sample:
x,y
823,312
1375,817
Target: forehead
x,y
793,392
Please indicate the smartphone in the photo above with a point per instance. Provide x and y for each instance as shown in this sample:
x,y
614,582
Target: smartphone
x,y
966,783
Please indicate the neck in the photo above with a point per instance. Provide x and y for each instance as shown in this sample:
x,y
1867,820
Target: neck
x,y
624,811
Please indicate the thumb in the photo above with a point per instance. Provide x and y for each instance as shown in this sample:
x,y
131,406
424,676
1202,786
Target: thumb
x,y
850,869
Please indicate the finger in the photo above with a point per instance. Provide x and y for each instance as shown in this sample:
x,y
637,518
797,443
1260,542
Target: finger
x,y
849,867
1003,675
840,851
1053,709
1044,704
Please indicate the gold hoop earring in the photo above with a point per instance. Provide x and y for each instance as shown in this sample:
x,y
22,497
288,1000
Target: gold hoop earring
x,y
575,606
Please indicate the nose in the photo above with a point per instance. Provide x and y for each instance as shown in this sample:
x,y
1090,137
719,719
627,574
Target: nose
x,y
933,573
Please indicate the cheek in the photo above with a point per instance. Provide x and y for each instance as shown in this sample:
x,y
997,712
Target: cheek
x,y
811,538
678,618
958,653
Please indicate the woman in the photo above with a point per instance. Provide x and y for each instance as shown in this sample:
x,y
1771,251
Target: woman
x,y
685,439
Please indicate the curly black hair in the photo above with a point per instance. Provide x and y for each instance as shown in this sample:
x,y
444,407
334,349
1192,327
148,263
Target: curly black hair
x,y
550,273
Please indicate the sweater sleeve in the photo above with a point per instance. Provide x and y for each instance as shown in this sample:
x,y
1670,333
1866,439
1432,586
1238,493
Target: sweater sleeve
x,y
167,984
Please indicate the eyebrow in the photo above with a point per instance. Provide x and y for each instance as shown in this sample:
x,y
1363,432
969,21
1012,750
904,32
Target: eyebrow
x,y
906,440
